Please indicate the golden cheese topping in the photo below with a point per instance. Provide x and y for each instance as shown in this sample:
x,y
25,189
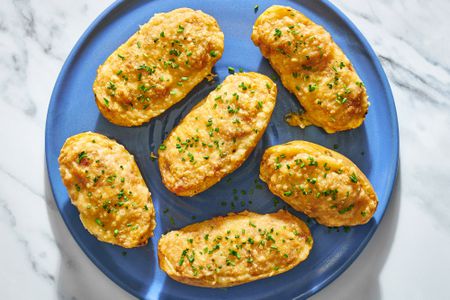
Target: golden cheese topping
x,y
106,186
235,249
319,182
218,135
313,68
157,66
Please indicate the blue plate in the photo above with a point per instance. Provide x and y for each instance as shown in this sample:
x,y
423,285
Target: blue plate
x,y
373,147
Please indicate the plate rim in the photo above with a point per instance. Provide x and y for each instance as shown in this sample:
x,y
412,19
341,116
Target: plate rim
x,y
391,108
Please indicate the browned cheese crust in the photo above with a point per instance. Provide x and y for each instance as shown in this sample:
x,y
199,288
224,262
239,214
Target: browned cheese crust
x,y
313,68
157,66
319,182
235,249
218,135
106,186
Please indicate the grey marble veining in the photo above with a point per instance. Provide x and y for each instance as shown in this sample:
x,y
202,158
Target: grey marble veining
x,y
408,255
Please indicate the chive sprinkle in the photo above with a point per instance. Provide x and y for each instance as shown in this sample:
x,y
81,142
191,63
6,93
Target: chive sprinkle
x,y
288,193
81,156
353,178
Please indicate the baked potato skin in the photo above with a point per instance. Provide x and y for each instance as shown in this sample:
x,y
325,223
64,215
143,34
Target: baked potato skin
x,y
158,66
106,186
218,134
235,249
313,68
319,182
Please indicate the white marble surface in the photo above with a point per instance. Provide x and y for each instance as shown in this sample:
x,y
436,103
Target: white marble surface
x,y
408,258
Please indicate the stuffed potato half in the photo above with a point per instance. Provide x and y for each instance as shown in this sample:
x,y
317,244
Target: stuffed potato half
x,y
218,134
235,249
312,67
319,182
158,66
106,186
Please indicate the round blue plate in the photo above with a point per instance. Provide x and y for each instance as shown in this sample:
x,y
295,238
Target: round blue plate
x,y
373,147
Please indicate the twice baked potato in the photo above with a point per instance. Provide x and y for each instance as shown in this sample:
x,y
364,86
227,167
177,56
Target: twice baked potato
x,y
106,186
313,68
235,249
319,182
218,135
158,66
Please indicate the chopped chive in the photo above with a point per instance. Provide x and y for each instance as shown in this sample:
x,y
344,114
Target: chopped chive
x,y
346,209
288,193
81,156
353,178
312,87
277,33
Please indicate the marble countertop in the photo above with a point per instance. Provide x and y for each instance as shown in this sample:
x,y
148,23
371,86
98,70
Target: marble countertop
x,y
408,257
